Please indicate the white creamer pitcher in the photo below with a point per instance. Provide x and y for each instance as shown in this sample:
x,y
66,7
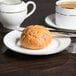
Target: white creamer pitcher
x,y
13,13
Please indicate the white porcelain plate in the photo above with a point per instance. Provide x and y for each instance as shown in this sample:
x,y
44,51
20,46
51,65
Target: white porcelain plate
x,y
11,40
50,20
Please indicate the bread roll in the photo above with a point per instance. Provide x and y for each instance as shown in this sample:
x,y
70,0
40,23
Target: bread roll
x,y
35,37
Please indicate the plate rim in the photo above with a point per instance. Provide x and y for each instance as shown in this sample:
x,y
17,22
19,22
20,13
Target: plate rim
x,y
33,54
55,26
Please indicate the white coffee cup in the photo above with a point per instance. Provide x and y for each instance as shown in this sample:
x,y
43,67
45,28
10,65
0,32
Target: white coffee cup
x,y
13,14
65,17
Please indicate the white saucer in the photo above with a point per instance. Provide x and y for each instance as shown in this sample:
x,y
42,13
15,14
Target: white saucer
x,y
11,40
50,20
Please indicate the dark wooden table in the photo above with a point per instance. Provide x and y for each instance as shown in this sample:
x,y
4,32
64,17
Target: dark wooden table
x,y
15,64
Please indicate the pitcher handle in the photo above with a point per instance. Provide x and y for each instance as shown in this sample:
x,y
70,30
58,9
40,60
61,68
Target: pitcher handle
x,y
33,10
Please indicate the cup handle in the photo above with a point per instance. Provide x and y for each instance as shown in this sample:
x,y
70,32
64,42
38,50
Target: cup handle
x,y
33,10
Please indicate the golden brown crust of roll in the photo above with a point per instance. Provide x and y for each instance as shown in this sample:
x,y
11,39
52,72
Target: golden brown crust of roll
x,y
35,37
